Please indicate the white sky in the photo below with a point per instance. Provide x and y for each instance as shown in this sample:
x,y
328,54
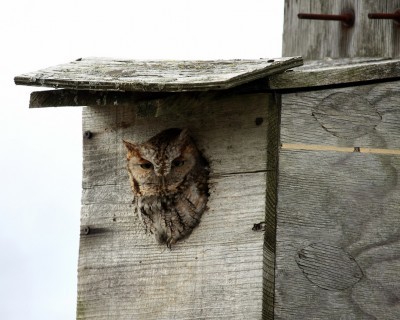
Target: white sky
x,y
41,148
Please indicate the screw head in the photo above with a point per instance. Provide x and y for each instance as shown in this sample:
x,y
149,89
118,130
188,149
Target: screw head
x,y
88,134
86,230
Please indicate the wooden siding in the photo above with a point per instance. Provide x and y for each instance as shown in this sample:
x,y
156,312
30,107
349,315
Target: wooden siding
x,y
337,254
315,40
217,272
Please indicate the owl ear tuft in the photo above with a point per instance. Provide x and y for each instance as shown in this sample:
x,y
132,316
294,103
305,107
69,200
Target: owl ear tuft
x,y
184,135
130,146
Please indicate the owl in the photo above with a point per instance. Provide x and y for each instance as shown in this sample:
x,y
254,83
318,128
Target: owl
x,y
168,177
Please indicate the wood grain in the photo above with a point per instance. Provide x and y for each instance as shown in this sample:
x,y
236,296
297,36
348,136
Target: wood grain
x,y
294,146
328,267
336,72
337,254
226,123
368,119
315,40
217,273
80,98
271,199
155,76
349,201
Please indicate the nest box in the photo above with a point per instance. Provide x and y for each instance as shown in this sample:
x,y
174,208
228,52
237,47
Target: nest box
x,y
224,268
303,205
302,219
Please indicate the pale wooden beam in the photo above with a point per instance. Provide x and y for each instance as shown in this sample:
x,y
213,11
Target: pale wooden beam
x,y
79,98
336,72
155,76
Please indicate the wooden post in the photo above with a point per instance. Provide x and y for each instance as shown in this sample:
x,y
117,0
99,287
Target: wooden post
x,y
314,39
337,240
337,231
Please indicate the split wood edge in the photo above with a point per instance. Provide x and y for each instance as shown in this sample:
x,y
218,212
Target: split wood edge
x,y
314,147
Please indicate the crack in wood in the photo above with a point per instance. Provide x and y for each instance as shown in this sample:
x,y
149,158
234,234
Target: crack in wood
x,y
313,147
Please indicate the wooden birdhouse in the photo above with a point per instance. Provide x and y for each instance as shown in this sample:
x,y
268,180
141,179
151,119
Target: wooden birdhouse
x,y
225,267
302,210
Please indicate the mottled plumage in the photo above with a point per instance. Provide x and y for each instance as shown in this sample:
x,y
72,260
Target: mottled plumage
x,y
168,176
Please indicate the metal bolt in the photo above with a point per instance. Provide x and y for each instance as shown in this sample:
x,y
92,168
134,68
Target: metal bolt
x,y
88,134
347,18
86,230
394,16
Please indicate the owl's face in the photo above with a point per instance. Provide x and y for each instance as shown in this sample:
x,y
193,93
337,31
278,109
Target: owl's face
x,y
169,177
161,164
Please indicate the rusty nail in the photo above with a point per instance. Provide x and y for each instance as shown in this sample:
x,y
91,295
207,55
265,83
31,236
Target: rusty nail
x,y
347,18
394,16
88,135
86,230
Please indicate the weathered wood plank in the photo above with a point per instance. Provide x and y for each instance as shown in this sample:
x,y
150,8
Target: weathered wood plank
x,y
228,123
155,76
315,40
365,116
271,198
347,205
336,73
125,275
79,98
315,147
320,73
337,254
214,274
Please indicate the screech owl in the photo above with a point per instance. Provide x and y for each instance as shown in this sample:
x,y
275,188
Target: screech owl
x,y
168,176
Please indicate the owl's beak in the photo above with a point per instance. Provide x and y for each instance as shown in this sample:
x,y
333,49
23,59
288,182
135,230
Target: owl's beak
x,y
163,181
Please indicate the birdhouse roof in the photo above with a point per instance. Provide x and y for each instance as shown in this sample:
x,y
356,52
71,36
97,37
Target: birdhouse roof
x,y
103,74
336,72
101,81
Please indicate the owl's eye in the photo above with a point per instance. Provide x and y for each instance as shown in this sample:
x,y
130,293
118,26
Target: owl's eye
x,y
178,163
146,165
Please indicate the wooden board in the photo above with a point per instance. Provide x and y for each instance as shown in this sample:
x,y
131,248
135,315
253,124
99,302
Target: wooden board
x,y
337,254
315,40
218,272
155,76
313,75
79,98
365,116
336,72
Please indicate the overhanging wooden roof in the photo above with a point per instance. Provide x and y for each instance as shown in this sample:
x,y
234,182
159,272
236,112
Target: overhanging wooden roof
x,y
102,74
101,82
336,72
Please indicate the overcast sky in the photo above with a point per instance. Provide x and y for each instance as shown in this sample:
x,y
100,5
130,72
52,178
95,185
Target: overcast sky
x,y
41,153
